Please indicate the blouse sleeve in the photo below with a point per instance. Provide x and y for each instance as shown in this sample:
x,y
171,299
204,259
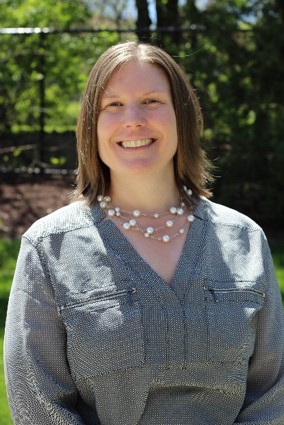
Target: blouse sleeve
x,y
39,385
264,401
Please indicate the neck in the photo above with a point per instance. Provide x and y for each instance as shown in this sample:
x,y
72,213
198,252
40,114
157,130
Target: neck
x,y
143,193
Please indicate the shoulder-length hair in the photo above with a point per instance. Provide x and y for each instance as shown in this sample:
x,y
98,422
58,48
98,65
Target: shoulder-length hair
x,y
191,166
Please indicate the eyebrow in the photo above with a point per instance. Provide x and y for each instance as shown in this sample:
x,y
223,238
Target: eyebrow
x,y
107,95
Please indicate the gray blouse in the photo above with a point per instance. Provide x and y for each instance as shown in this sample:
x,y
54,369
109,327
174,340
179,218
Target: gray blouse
x,y
95,336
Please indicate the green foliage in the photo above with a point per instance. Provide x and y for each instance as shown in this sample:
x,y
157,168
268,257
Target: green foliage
x,y
232,51
52,65
8,254
277,249
28,60
44,13
236,63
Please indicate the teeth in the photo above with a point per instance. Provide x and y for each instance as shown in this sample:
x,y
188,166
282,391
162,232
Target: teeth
x,y
136,143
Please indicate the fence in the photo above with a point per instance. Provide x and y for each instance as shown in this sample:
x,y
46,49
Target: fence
x,y
43,72
37,133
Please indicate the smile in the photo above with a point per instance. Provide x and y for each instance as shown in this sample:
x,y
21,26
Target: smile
x,y
136,143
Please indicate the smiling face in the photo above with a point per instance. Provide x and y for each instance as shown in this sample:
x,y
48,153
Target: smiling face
x,y
137,125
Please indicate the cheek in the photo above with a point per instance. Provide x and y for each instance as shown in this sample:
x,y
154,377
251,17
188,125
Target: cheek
x,y
103,133
101,136
100,128
106,125
168,119
171,125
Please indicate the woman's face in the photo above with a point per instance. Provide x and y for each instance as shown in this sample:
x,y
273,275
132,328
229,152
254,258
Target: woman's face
x,y
137,131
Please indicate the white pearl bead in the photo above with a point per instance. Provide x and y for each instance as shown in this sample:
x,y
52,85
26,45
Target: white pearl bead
x,y
126,226
107,198
146,235
136,213
166,238
111,213
169,223
103,204
132,222
189,192
100,198
173,210
181,231
156,215
179,211
190,218
150,230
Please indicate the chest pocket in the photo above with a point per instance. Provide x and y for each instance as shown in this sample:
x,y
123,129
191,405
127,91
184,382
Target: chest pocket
x,y
104,334
231,323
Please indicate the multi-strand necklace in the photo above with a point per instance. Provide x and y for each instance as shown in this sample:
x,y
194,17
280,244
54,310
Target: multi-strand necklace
x,y
129,219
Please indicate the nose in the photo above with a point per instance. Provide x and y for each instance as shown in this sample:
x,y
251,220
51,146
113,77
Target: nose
x,y
134,116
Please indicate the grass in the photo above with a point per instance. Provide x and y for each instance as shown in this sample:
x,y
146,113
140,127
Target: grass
x,y
277,249
8,254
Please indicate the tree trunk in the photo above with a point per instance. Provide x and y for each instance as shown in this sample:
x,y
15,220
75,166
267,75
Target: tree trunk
x,y
143,21
280,7
168,20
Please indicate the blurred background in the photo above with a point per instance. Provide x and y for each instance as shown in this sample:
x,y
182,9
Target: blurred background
x,y
232,50
233,53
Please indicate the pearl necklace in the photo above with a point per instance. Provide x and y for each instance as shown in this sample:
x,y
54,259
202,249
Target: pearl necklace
x,y
131,224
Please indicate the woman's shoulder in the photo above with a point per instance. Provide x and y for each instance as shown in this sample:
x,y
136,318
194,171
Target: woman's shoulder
x,y
66,219
221,215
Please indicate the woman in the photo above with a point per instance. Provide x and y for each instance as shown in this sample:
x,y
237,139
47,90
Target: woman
x,y
143,302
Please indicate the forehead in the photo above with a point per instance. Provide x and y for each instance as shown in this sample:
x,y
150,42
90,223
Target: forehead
x,y
138,74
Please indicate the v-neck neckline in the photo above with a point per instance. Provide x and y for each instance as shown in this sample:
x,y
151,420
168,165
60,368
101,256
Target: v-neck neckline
x,y
121,247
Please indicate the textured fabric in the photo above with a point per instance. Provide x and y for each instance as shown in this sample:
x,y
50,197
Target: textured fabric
x,y
95,336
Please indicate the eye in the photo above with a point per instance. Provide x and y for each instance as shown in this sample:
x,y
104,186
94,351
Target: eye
x,y
111,106
115,104
151,101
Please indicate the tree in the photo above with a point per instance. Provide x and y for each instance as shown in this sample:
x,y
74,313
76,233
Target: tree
x,y
232,50
111,14
168,22
25,64
237,64
143,21
42,72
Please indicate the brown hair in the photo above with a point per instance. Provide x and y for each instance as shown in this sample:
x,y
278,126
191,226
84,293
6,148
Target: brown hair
x,y
191,165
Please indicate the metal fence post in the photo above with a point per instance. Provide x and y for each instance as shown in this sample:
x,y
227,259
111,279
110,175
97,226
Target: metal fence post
x,y
42,115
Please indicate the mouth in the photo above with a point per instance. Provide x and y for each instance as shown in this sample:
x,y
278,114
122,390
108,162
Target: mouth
x,y
132,144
